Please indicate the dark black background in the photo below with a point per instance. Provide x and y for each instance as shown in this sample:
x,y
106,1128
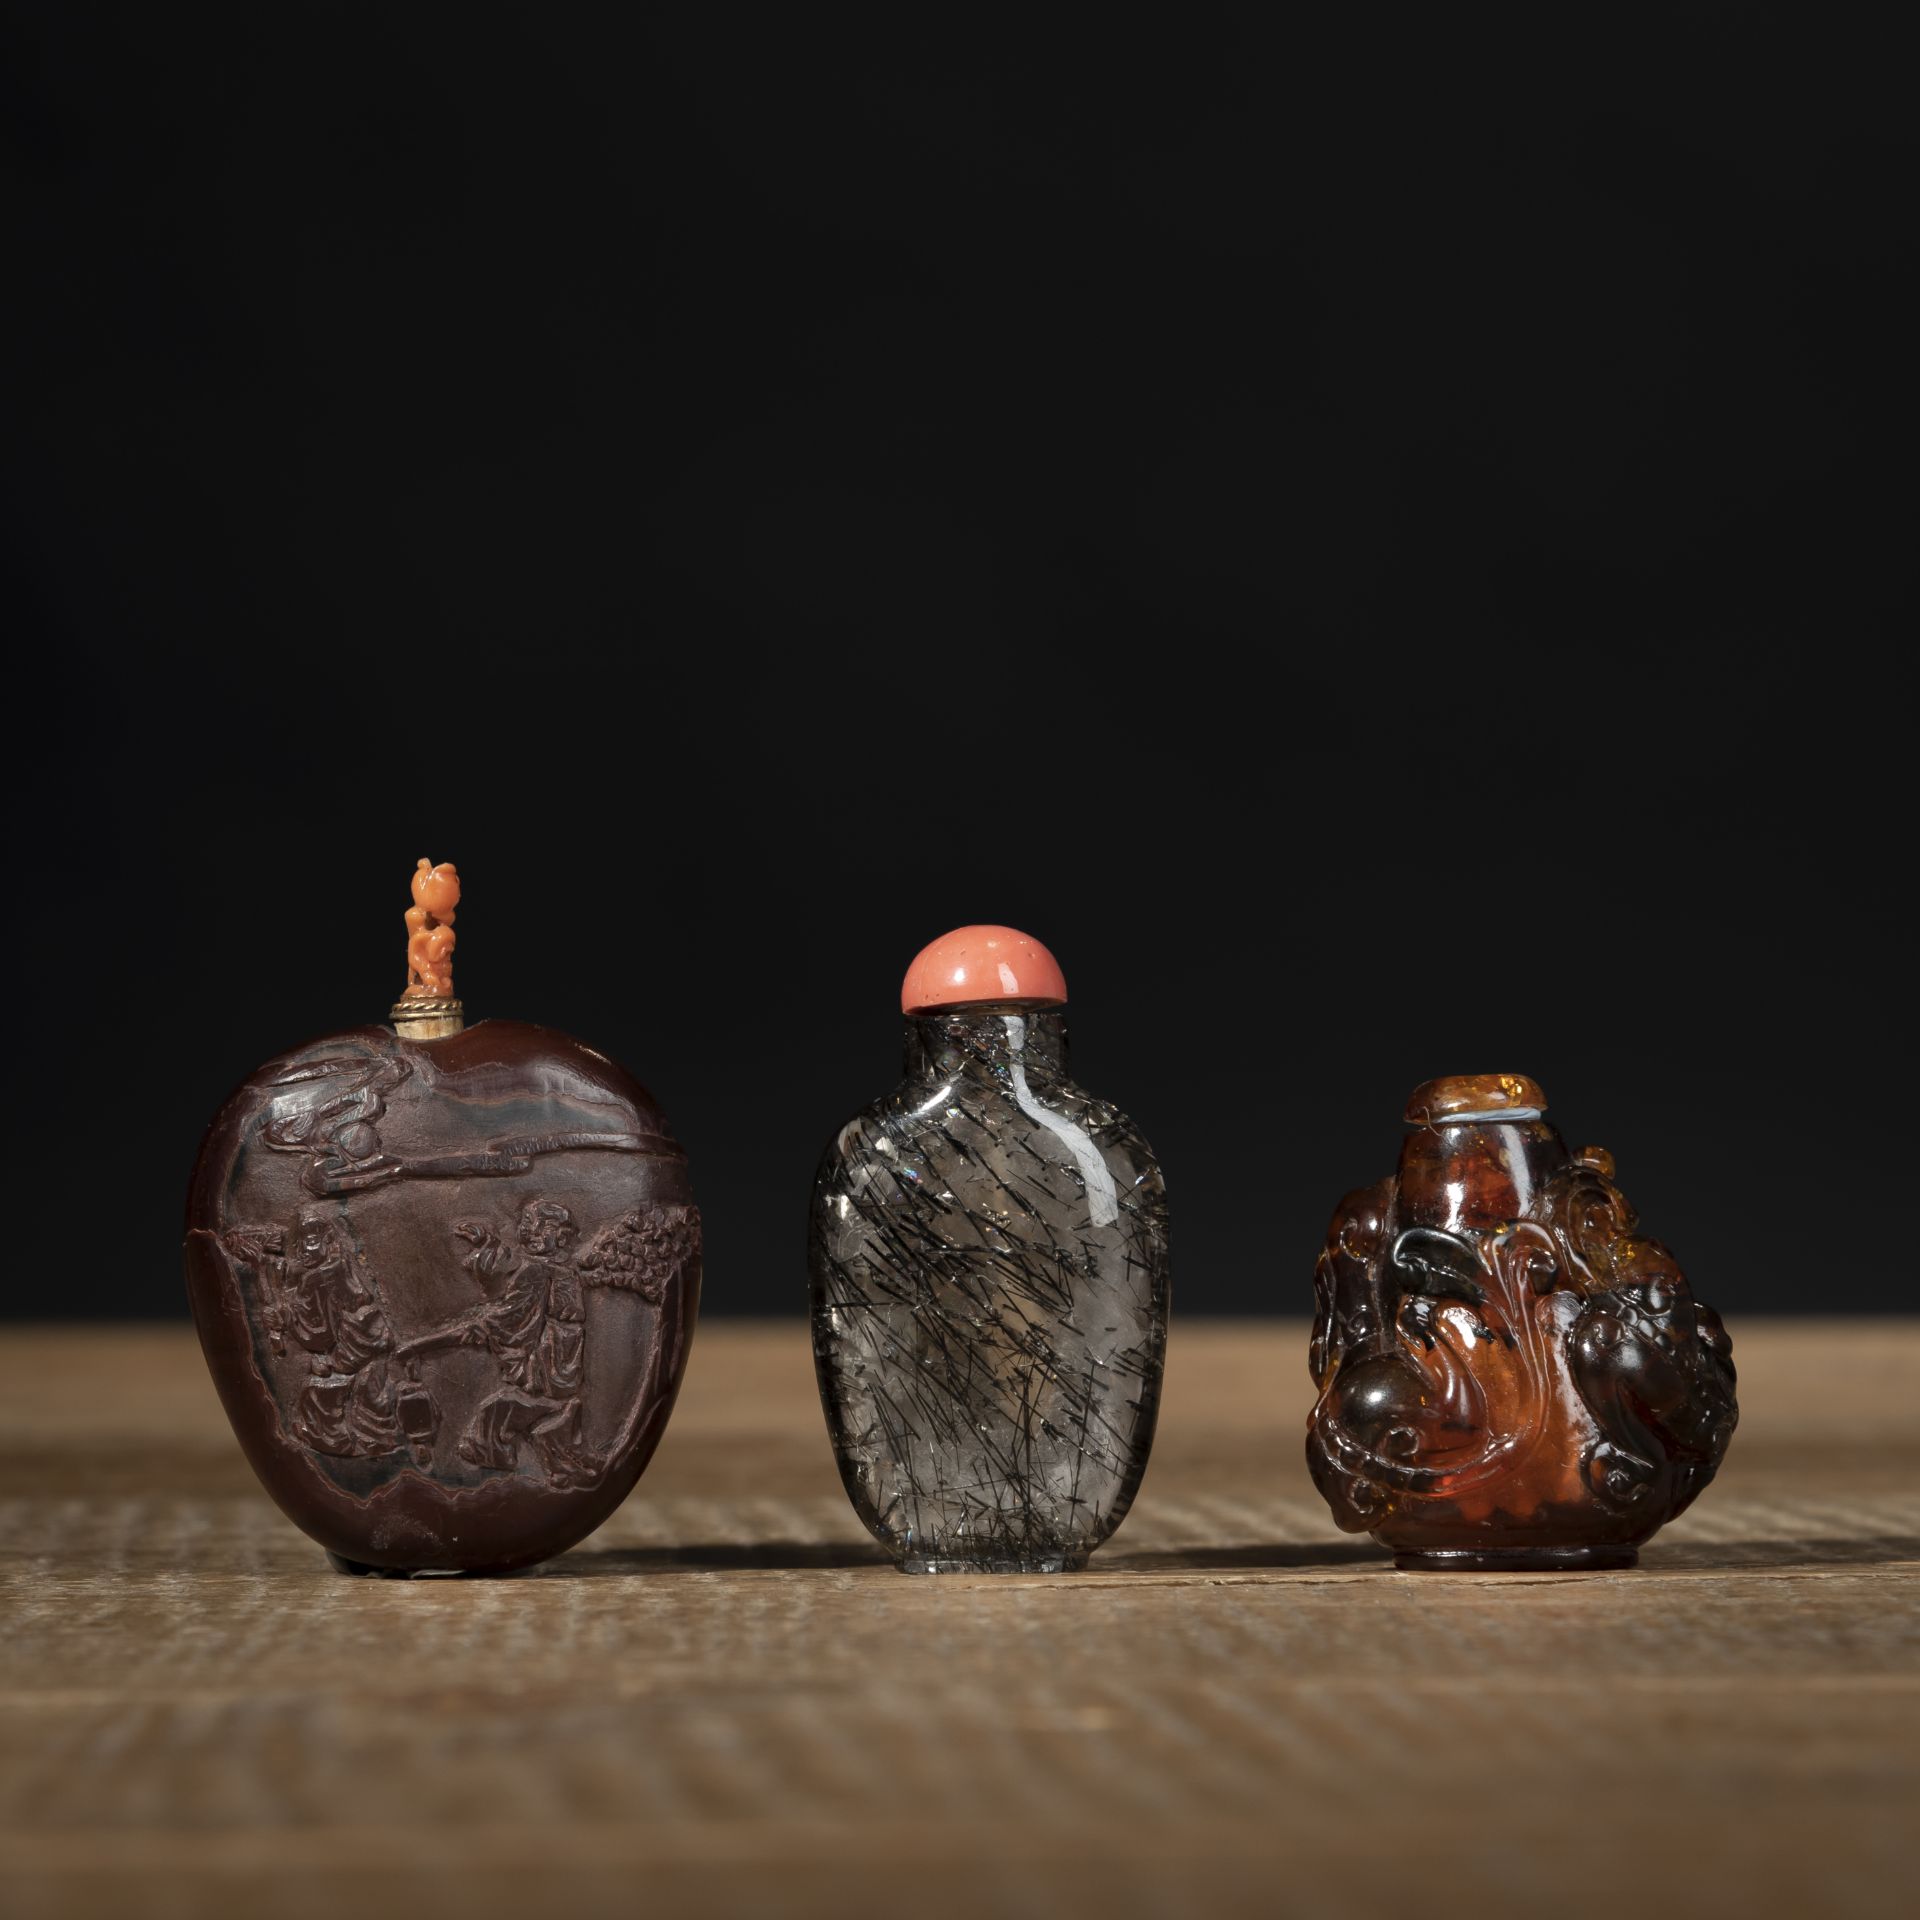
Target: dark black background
x,y
1383,546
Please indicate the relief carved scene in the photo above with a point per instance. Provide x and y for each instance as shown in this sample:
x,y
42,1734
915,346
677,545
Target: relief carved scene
x,y
429,1293
351,1388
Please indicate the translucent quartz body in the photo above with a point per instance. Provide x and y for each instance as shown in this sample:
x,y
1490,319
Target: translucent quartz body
x,y
989,1277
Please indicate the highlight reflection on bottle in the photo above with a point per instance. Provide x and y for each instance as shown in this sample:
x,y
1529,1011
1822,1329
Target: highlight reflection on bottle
x,y
990,1280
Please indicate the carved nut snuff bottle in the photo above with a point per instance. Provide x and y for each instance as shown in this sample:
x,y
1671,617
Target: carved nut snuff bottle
x,y
445,1278
1511,1375
989,1280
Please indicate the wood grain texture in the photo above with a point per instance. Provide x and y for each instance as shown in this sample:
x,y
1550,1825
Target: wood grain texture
x,y
724,1703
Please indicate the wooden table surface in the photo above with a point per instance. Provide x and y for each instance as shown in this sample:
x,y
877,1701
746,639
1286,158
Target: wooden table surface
x,y
725,1703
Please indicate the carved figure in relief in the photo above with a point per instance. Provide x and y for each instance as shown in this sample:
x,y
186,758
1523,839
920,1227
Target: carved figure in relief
x,y
430,935
534,1325
533,1322
365,1397
316,1297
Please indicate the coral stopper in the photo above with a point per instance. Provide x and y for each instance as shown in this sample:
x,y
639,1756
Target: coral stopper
x,y
430,935
975,964
427,1010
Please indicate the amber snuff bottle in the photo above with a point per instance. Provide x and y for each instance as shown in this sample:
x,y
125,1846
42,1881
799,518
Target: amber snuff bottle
x,y
1510,1374
445,1277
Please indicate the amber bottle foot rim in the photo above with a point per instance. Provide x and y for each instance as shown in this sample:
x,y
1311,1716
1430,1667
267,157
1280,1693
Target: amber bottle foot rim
x,y
1518,1560
1014,1563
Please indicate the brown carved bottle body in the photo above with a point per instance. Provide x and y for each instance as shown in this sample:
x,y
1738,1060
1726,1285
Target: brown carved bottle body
x,y
446,1288
1510,1374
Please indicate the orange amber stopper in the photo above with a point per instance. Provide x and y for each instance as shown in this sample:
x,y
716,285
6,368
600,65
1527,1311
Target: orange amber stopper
x,y
436,892
1456,1098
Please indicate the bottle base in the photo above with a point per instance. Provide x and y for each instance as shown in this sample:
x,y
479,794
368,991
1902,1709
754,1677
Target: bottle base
x,y
359,1570
1517,1559
997,1563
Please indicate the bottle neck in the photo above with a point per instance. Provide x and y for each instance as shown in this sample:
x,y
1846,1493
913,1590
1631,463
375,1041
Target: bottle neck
x,y
987,1041
1463,1174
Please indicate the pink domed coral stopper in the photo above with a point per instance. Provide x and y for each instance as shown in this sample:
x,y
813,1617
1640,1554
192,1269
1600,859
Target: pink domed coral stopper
x,y
972,964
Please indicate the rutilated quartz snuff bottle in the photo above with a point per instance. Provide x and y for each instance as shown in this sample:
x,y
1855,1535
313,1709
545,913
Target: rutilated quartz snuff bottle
x,y
445,1278
989,1280
1511,1375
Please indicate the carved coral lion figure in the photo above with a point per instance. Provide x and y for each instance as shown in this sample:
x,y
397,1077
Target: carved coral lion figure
x,y
430,934
1511,1375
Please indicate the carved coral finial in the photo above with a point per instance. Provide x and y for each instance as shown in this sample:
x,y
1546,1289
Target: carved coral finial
x,y
430,936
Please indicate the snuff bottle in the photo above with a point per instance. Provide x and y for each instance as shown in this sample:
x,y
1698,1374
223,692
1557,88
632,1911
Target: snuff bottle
x,y
1510,1374
444,1276
988,1251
